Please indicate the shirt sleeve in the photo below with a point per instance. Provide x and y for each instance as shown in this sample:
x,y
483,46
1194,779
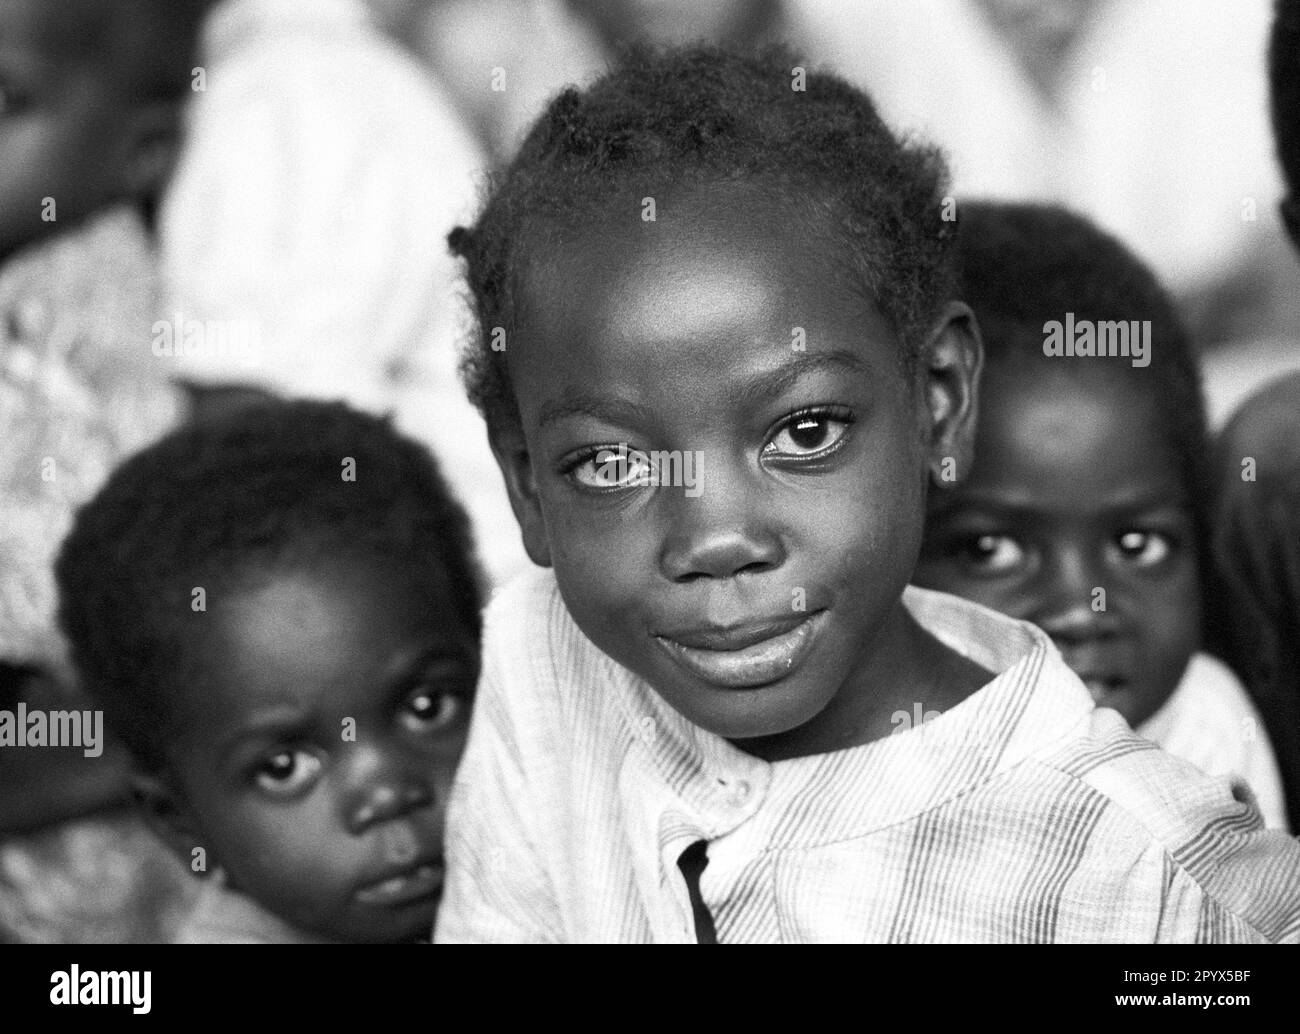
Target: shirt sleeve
x,y
1246,879
497,887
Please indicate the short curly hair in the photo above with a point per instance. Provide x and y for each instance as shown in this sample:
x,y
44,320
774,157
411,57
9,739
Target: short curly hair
x,y
218,502
700,115
1022,265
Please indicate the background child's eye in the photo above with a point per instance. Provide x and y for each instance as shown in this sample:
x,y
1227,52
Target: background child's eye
x,y
1142,548
991,554
613,467
807,434
430,710
287,772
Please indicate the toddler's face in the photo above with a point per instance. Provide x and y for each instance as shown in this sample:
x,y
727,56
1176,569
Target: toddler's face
x,y
1075,488
725,466
320,742
61,120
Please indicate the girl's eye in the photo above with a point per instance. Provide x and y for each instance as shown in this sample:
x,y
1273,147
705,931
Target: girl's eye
x,y
613,467
287,773
807,434
1143,548
429,710
992,554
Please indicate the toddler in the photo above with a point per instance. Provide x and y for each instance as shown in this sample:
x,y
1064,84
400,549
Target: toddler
x,y
278,612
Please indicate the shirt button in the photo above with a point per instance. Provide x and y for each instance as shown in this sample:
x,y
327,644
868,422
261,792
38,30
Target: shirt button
x,y
740,793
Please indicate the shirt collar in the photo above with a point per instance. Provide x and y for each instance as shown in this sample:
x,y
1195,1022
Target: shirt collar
x,y
1033,701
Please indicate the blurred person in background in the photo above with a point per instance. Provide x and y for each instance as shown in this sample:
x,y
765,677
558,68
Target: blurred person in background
x,y
1146,115
307,225
1256,604
90,103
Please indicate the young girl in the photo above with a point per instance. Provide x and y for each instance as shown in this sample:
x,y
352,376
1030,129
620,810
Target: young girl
x,y
278,612
720,359
1086,509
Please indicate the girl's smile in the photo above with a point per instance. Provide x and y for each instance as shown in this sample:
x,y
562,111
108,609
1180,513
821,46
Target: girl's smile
x,y
746,655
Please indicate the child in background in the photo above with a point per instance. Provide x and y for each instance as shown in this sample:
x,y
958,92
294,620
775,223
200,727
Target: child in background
x,y
90,101
734,362
1256,593
279,613
1255,605
90,97
307,220
1086,509
76,863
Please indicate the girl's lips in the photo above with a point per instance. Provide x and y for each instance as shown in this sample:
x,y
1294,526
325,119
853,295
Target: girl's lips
x,y
403,888
755,664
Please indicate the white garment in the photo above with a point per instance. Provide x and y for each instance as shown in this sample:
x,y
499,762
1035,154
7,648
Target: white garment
x,y
1210,721
309,215
1023,813
1159,131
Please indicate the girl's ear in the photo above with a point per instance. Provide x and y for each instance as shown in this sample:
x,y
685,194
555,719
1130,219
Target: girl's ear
x,y
951,362
166,815
511,451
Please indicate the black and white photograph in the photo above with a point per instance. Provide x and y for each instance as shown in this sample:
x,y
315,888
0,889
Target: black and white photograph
x,y
649,472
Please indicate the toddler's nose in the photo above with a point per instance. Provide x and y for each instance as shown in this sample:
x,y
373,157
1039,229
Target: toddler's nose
x,y
381,787
389,802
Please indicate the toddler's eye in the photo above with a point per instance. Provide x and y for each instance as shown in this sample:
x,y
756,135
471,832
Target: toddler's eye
x,y
287,773
992,554
1142,548
614,467
429,710
807,434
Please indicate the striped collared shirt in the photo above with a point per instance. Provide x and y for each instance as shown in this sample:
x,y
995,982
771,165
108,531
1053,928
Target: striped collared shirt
x,y
1023,813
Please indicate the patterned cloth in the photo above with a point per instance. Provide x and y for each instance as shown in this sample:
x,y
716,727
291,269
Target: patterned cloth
x,y
103,879
1210,721
1022,814
80,389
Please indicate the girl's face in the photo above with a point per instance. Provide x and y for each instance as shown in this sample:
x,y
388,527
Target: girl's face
x,y
318,748
720,458
1076,489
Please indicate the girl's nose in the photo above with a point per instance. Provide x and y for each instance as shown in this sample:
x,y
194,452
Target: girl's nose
x,y
719,533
